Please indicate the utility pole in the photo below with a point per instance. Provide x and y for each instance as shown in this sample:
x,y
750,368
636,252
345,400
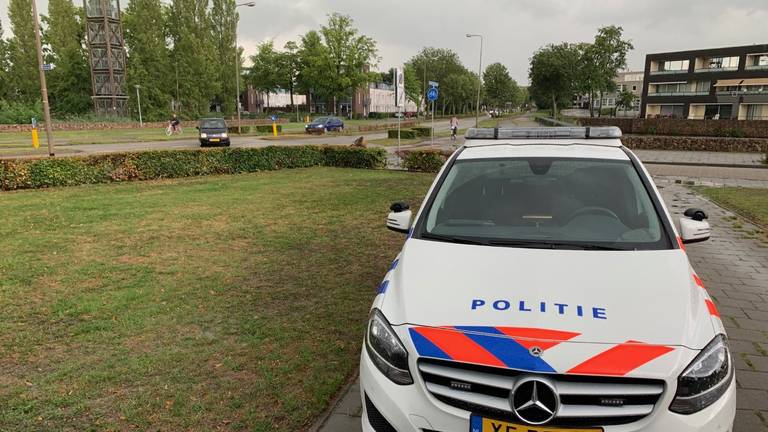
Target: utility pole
x,y
138,100
479,79
237,65
43,86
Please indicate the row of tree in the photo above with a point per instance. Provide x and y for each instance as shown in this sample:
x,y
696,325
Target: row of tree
x,y
560,71
182,55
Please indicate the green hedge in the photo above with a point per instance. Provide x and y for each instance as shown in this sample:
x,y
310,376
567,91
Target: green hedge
x,y
423,131
404,134
116,167
423,160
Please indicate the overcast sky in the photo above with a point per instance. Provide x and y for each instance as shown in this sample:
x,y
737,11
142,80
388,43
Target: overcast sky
x,y
513,29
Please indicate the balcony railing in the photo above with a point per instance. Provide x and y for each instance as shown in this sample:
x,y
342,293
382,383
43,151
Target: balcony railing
x,y
716,69
680,93
757,67
669,72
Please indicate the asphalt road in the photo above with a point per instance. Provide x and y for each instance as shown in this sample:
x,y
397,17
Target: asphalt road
x,y
237,141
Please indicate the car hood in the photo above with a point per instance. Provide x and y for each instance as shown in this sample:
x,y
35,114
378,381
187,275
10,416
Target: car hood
x,y
312,125
463,302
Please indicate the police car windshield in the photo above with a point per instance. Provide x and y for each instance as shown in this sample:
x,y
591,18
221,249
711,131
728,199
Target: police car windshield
x,y
592,204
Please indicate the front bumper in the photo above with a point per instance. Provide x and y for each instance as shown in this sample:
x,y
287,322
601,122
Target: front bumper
x,y
214,141
410,409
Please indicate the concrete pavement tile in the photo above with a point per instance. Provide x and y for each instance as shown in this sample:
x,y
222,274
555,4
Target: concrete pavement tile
x,y
748,421
758,363
753,399
752,380
342,423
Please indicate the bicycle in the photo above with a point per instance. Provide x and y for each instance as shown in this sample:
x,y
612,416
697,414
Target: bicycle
x,y
170,130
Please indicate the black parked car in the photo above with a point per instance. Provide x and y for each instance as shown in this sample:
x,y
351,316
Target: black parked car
x,y
213,131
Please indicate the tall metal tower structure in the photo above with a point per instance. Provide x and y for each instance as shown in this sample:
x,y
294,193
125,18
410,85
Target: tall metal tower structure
x,y
106,51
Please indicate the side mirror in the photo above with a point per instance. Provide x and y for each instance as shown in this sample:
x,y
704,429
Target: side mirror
x,y
399,219
693,227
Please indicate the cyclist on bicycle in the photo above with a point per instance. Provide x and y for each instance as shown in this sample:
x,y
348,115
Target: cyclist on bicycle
x,y
174,123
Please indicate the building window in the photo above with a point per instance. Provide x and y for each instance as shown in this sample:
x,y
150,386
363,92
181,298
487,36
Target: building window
x,y
716,112
757,61
757,112
634,88
674,66
674,111
703,87
716,63
663,89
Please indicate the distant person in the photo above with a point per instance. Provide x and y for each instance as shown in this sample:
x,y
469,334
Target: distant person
x,y
454,127
175,122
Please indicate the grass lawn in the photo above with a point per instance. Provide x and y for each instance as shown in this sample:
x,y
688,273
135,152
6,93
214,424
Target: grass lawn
x,y
215,303
752,203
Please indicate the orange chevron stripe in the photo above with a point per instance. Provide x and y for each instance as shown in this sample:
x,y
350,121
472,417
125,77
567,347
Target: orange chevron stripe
x,y
621,359
542,338
459,347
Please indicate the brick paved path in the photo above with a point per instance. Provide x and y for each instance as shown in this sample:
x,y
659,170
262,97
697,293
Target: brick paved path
x,y
734,268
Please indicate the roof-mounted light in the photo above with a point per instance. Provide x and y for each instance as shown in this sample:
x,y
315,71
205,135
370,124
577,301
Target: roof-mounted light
x,y
606,132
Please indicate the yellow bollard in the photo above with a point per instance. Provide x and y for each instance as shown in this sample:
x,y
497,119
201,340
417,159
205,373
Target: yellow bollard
x,y
274,129
35,139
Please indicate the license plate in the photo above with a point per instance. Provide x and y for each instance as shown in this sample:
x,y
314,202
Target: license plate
x,y
214,140
482,424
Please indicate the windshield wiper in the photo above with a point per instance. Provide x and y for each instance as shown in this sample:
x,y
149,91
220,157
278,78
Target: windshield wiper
x,y
453,239
550,245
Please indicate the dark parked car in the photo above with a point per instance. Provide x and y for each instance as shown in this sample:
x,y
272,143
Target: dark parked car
x,y
213,131
324,124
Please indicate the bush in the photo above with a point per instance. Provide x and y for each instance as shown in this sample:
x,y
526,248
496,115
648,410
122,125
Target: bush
x,y
51,172
266,128
404,134
20,112
423,160
422,131
379,115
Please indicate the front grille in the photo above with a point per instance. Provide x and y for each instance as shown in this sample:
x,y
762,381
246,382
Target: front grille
x,y
377,421
584,400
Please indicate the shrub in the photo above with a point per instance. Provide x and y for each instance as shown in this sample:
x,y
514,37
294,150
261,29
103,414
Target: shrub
x,y
423,160
404,134
20,112
267,128
423,131
51,172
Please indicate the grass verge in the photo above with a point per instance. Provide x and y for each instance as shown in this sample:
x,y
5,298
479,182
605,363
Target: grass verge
x,y
749,202
215,303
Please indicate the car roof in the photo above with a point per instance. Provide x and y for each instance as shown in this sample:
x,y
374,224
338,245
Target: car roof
x,y
584,149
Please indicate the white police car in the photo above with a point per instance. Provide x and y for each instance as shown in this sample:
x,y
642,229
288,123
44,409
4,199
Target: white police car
x,y
543,286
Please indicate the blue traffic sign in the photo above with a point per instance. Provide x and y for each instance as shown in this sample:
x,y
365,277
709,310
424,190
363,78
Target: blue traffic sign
x,y
274,118
432,94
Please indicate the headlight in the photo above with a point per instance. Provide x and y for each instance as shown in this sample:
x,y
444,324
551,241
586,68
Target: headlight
x,y
224,135
386,351
203,135
705,380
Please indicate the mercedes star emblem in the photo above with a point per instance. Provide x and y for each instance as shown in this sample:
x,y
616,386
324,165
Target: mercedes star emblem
x,y
535,401
536,351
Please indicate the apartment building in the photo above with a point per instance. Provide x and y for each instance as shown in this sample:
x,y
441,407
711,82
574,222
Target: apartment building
x,y
629,81
719,83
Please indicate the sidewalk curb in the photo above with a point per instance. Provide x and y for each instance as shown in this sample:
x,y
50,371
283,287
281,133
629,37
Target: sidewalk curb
x,y
323,419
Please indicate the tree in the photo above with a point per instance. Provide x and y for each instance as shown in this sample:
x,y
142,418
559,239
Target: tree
x,y
625,100
149,59
194,55
69,83
500,88
4,85
412,86
600,62
266,74
290,63
348,57
224,19
310,78
552,75
24,78
443,66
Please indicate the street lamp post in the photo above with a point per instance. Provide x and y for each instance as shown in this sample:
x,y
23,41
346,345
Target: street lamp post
x,y
479,78
237,66
138,101
43,86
